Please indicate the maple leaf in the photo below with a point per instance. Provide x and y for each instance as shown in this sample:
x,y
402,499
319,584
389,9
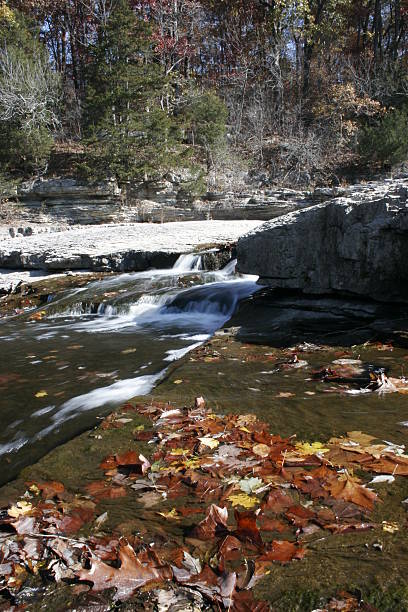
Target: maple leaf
x,y
348,488
242,499
131,575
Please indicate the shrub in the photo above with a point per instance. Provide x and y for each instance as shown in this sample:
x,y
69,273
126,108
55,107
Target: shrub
x,y
386,141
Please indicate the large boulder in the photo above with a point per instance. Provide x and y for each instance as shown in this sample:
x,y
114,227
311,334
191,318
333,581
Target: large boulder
x,y
357,245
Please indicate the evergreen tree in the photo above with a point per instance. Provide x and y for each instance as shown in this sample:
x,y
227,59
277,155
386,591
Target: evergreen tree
x,y
128,126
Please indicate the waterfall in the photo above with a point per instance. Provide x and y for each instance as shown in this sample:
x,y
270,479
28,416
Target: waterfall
x,y
188,262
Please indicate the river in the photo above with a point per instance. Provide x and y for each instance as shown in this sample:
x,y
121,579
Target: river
x,y
100,345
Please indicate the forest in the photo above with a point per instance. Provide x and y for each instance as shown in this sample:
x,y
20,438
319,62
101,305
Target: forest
x,y
297,92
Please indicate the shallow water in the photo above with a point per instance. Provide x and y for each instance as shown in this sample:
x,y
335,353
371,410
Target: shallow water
x,y
100,345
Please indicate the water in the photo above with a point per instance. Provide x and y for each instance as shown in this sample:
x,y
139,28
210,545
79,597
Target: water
x,y
98,346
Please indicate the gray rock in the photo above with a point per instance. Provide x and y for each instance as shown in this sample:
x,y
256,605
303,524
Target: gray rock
x,y
357,244
12,232
28,231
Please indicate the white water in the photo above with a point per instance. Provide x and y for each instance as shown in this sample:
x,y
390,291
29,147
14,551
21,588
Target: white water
x,y
188,262
121,332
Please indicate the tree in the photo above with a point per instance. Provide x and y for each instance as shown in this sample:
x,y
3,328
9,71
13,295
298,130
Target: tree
x,y
29,97
126,119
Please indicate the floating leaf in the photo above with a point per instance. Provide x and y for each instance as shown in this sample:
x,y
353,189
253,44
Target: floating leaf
x,y
41,394
172,514
128,351
306,448
131,575
177,382
390,527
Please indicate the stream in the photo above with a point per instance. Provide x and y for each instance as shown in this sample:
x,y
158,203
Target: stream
x,y
95,347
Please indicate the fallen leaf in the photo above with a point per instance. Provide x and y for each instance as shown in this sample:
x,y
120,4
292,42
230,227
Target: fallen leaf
x,y
177,382
250,485
20,509
390,527
131,575
172,514
262,450
282,551
41,394
306,448
215,523
242,499
210,442
348,488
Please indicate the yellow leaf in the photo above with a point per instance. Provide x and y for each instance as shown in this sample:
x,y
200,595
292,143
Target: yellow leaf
x,y
244,429
262,450
210,442
41,394
20,509
177,382
180,451
242,499
173,514
307,448
128,351
390,527
34,489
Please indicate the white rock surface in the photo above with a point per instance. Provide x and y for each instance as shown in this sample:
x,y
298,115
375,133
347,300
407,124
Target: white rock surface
x,y
117,247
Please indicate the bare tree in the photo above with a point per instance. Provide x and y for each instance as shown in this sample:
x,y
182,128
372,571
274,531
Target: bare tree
x,y
29,90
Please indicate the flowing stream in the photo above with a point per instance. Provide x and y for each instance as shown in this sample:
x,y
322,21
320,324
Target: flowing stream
x,y
100,345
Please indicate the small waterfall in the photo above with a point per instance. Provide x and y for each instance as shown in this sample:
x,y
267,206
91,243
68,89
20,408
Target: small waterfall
x,y
188,262
229,269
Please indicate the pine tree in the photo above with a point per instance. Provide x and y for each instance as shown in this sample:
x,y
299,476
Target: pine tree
x,y
130,131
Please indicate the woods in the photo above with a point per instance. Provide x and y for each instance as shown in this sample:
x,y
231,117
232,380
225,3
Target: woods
x,y
301,91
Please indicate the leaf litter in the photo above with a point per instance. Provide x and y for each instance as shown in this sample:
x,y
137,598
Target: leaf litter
x,y
249,499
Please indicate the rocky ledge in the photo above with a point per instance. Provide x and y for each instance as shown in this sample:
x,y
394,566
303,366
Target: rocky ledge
x,y
131,247
356,244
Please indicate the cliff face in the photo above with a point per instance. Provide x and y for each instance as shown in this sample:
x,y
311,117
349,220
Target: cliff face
x,y
356,244
71,202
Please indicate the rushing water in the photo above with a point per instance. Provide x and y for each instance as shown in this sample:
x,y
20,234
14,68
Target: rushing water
x,y
100,345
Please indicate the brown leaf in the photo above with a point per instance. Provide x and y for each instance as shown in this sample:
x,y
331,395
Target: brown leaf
x,y
131,575
282,551
348,488
247,529
215,523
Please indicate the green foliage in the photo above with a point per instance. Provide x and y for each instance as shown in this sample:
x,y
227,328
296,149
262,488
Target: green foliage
x,y
386,141
25,151
205,117
129,130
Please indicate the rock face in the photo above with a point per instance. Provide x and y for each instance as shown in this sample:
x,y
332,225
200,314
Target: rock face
x,y
356,244
68,201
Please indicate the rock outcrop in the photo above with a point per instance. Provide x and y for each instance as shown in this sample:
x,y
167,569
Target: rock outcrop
x,y
119,248
356,244
67,201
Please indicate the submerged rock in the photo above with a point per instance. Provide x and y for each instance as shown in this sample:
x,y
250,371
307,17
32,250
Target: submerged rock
x,y
356,244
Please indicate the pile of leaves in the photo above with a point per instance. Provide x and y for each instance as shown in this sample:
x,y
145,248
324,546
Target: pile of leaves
x,y
244,498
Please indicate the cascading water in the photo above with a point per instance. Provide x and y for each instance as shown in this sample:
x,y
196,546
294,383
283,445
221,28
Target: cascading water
x,y
101,345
